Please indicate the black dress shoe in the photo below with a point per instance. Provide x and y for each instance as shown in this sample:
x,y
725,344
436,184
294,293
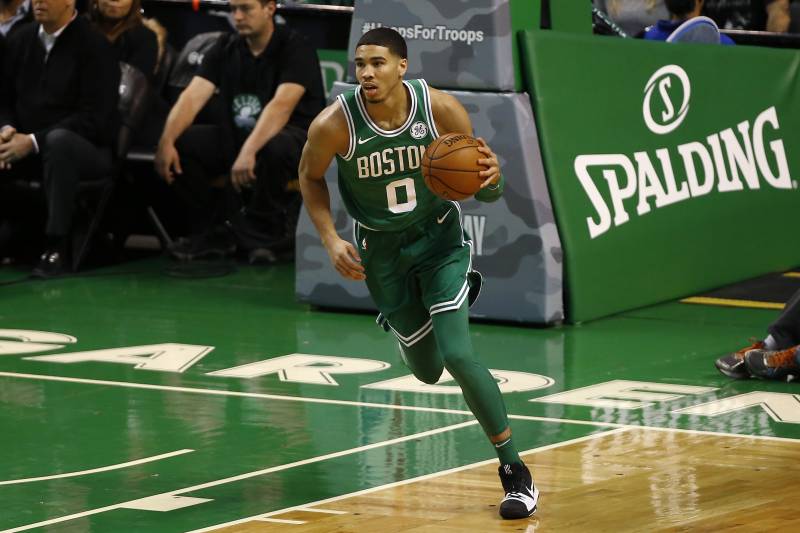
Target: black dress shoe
x,y
51,264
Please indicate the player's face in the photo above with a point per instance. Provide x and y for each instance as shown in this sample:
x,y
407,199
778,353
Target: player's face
x,y
378,71
251,17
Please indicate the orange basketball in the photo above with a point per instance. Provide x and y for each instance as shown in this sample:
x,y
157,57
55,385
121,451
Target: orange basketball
x,y
450,166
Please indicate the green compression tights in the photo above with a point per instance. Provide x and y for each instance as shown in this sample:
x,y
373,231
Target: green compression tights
x,y
450,347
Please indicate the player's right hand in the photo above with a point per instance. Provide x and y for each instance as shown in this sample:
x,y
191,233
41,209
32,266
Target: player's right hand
x,y
345,259
168,162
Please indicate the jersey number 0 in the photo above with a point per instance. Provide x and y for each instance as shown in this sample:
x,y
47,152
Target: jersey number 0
x,y
411,195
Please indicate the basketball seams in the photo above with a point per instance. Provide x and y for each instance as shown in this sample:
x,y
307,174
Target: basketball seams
x,y
431,167
444,185
432,149
443,171
454,150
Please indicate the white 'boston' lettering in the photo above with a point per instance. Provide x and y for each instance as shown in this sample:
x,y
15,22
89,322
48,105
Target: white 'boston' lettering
x,y
389,161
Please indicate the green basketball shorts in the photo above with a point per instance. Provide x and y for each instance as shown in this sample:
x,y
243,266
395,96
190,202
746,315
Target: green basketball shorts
x,y
418,272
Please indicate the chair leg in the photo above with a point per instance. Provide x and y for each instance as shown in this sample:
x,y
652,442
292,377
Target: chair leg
x,y
78,258
163,236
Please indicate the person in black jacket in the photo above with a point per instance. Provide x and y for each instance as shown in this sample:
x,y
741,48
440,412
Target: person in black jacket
x,y
270,82
58,115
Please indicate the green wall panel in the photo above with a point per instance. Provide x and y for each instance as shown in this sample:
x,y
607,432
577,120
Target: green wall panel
x,y
670,166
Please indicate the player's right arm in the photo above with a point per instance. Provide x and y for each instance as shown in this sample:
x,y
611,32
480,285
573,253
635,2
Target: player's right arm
x,y
327,136
191,101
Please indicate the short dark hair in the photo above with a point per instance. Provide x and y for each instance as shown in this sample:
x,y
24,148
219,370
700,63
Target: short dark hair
x,y
387,37
679,8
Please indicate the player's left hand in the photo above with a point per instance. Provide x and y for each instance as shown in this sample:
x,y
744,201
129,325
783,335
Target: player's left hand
x,y
16,148
492,173
243,171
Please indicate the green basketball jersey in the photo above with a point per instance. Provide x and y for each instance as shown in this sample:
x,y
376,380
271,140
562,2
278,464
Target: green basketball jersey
x,y
379,177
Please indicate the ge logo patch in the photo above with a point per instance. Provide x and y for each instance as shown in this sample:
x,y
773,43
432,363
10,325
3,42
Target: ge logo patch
x,y
419,130
672,86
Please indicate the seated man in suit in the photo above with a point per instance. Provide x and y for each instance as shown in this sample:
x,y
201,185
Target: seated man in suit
x,y
58,116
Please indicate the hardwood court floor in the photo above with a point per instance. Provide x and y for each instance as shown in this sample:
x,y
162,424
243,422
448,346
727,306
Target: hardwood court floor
x,y
624,480
132,401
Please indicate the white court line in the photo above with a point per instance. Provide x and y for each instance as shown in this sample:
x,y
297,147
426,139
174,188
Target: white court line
x,y
622,427
250,474
326,511
407,481
96,470
218,392
282,521
304,507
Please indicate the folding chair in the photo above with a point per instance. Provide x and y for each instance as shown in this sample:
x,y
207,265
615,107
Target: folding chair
x,y
183,69
134,100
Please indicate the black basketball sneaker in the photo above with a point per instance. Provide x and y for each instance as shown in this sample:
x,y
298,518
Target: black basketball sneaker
x,y
521,494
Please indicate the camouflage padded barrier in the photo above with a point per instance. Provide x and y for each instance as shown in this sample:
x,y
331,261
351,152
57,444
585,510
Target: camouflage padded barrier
x,y
462,44
516,243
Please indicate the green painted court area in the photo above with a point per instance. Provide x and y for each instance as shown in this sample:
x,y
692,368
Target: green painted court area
x,y
199,435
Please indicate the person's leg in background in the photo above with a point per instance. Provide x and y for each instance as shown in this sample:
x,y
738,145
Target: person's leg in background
x,y
785,330
784,333
67,158
22,213
779,358
264,215
206,153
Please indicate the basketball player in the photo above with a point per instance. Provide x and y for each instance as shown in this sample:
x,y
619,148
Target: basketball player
x,y
410,247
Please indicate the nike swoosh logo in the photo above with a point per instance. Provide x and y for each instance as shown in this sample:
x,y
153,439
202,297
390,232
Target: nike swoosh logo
x,y
439,220
362,141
